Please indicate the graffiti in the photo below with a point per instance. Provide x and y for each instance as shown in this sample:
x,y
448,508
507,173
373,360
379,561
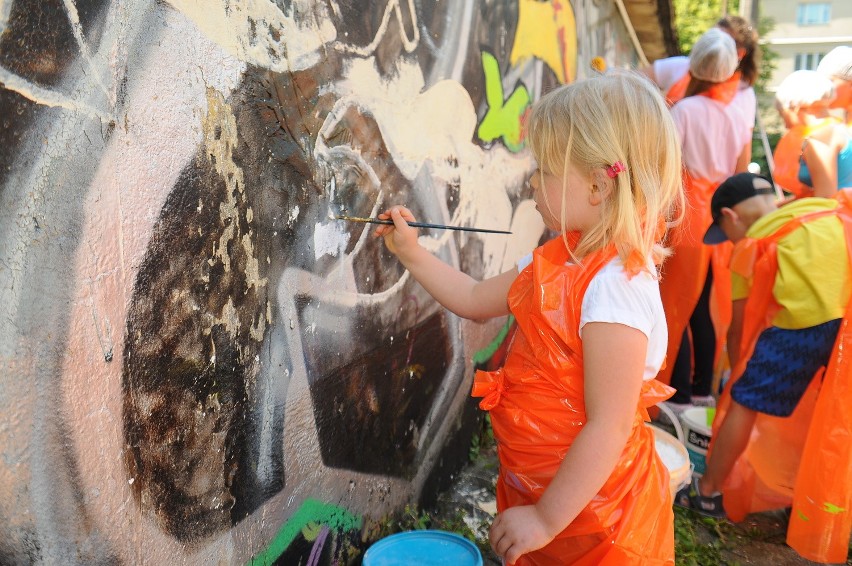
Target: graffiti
x,y
503,119
198,361
547,31
315,521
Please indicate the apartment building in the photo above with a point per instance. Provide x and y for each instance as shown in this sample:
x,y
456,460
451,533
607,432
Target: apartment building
x,y
804,32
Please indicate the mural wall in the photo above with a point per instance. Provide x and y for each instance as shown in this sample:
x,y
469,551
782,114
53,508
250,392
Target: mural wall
x,y
198,362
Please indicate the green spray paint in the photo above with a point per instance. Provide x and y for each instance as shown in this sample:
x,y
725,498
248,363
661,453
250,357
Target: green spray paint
x,y
503,118
487,352
305,520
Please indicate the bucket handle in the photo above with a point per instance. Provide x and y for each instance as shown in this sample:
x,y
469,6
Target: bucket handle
x,y
675,422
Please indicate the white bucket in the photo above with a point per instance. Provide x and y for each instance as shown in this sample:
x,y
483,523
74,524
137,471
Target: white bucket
x,y
674,456
697,431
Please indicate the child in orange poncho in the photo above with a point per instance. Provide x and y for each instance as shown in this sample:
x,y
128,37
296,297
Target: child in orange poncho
x,y
783,427
803,100
580,481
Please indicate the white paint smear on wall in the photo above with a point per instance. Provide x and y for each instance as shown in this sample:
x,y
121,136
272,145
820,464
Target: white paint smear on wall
x,y
259,33
160,133
330,238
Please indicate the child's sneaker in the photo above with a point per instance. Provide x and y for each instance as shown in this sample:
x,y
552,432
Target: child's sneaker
x,y
707,505
703,400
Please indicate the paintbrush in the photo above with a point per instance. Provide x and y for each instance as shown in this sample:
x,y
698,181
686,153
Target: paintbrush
x,y
421,225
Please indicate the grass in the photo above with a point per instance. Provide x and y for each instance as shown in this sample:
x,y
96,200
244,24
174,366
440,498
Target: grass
x,y
701,540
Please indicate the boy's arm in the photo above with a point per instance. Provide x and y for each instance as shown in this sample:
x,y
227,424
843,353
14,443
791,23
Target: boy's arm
x,y
612,384
457,291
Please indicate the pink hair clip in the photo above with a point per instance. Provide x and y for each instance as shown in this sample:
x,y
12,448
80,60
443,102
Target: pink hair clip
x,y
614,169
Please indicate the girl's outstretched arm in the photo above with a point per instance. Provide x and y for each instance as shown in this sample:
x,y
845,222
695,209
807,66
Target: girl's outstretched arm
x,y
457,291
614,362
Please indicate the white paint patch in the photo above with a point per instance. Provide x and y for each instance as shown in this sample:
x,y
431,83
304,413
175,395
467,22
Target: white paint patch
x,y
329,239
48,97
77,30
5,10
258,32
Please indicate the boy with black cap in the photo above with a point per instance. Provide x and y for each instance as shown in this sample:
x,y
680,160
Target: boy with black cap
x,y
790,264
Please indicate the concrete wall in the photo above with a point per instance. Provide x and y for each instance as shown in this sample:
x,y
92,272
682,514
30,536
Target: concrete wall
x,y
198,365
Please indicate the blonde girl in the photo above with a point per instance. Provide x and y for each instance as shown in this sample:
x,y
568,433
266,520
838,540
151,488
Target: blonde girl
x,y
580,481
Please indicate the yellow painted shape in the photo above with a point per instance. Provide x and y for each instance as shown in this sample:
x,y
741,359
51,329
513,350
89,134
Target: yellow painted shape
x,y
547,30
832,508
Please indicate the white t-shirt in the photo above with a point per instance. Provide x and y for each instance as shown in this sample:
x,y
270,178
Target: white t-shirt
x,y
712,136
671,69
614,297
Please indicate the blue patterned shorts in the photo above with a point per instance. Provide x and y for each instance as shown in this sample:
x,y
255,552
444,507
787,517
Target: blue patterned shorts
x,y
781,367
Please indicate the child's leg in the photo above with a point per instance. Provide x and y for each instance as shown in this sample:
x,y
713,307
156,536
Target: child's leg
x,y
682,372
703,341
730,442
776,376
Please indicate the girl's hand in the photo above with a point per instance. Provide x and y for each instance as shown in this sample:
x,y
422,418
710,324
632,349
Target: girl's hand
x,y
518,530
400,237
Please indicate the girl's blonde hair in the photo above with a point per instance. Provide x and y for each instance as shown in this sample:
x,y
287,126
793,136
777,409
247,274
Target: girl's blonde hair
x,y
592,124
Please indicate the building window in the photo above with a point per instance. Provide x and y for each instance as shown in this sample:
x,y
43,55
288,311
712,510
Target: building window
x,y
813,14
808,61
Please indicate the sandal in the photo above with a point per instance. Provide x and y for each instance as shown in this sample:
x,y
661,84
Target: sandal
x,y
707,505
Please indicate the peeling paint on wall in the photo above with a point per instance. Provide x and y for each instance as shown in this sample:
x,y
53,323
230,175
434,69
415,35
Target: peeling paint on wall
x,y
198,363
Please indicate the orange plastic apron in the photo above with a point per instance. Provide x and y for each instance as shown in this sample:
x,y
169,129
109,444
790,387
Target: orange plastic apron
x,y
684,273
806,457
821,522
537,410
678,90
786,157
724,92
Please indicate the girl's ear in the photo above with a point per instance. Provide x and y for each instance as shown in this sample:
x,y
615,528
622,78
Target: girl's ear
x,y
601,187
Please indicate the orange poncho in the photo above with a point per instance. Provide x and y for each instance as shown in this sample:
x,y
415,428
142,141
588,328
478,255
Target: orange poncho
x,y
806,457
787,157
684,273
537,409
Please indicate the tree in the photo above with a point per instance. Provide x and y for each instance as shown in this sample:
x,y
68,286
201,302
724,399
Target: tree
x,y
694,17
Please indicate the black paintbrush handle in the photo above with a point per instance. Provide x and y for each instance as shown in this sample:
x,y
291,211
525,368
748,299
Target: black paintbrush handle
x,y
422,225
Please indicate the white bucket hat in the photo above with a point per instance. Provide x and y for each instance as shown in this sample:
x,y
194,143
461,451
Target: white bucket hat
x,y
713,57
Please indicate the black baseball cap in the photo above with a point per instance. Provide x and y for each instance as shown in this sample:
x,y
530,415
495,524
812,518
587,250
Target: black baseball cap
x,y
730,193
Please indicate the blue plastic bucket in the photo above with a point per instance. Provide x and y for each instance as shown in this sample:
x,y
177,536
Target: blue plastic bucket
x,y
424,548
